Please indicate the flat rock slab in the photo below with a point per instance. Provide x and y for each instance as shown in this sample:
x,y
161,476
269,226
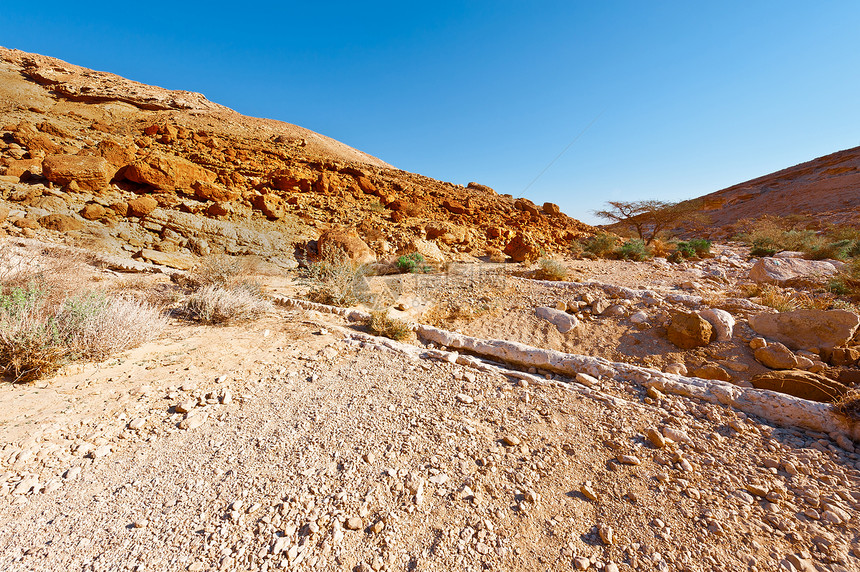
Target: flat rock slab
x,y
562,320
807,329
779,270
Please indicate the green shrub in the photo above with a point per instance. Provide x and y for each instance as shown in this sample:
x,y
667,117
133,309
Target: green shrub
x,y
601,245
381,324
413,263
633,249
701,246
835,250
335,279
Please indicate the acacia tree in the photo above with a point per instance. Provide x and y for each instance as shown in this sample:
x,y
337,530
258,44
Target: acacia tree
x,y
648,218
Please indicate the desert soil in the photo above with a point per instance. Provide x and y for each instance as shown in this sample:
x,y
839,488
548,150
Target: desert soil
x,y
310,446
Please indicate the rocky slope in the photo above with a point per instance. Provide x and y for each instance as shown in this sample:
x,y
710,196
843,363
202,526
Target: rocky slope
x,y
165,175
826,188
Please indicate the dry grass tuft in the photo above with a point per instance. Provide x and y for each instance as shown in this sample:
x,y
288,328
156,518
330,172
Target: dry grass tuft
x,y
215,304
786,300
849,405
381,324
549,269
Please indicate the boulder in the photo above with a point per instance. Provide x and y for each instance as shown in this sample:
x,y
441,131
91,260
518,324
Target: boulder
x,y
115,154
60,222
776,356
805,329
206,191
272,206
88,172
141,206
454,206
689,330
779,270
551,209
803,384
445,232
563,321
93,211
347,240
712,371
526,205
522,248
425,248
167,172
722,322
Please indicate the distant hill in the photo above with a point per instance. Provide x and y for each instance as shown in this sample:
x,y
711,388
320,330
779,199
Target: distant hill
x,y
826,189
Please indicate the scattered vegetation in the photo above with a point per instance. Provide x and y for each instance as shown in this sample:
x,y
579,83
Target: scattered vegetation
x,y
335,279
413,263
694,248
601,245
649,218
847,280
786,300
849,405
223,289
40,333
769,235
549,269
381,324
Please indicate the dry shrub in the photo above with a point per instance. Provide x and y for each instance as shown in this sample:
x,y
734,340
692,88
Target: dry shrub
x,y
335,279
789,300
39,334
381,324
849,405
660,248
215,304
549,269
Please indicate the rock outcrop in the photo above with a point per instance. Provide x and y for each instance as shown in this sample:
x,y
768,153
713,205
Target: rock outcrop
x,y
807,329
801,384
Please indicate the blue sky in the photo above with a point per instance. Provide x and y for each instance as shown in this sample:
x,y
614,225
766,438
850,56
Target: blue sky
x,y
676,99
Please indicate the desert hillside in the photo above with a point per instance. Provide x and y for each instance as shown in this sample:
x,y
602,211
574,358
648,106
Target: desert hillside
x,y
166,176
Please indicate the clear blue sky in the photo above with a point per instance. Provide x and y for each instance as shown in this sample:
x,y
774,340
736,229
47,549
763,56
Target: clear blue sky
x,y
683,98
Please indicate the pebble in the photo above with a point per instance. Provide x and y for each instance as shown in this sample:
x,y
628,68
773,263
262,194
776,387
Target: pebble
x,y
757,490
607,535
226,397
629,460
511,440
611,567
72,474
581,563
463,398
353,523
655,437
136,424
186,406
587,380
589,492
100,452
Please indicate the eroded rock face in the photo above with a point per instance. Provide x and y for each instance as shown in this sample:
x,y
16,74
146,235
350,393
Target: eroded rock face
x,y
90,173
803,384
689,330
779,270
522,248
807,329
347,240
167,172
